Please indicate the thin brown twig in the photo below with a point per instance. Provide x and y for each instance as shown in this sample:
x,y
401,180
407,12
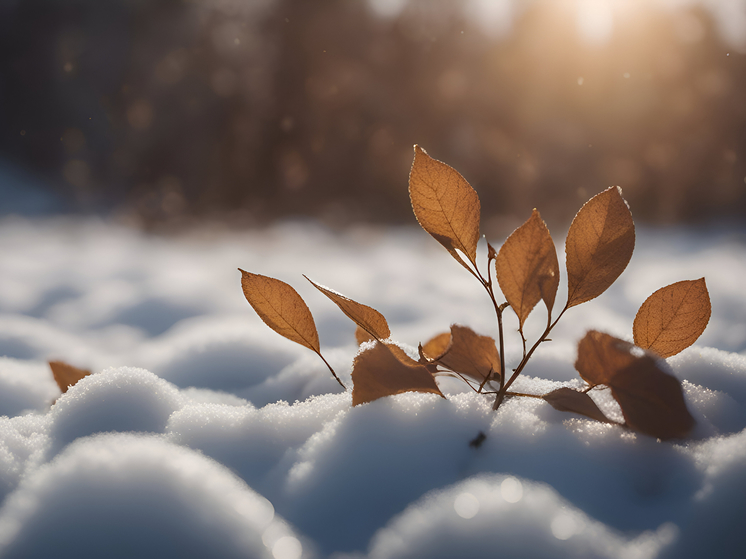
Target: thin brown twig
x,y
332,370
522,364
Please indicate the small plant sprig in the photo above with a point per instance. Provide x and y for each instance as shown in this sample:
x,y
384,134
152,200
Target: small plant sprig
x,y
598,248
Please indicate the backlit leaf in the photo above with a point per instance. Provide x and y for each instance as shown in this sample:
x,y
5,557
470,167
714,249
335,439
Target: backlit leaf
x,y
281,308
437,346
66,375
600,356
567,399
651,399
599,245
445,205
527,268
470,354
672,318
365,317
361,336
378,372
405,359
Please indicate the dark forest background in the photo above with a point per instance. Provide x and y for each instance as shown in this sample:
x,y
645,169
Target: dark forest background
x,y
251,110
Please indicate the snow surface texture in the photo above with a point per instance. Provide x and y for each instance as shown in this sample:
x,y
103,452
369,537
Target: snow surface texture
x,y
202,433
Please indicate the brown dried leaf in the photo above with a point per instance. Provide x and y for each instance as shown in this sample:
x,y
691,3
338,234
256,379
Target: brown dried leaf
x,y
471,355
567,399
281,308
445,205
66,375
361,336
437,346
365,317
599,245
405,359
527,268
652,400
600,356
379,372
672,318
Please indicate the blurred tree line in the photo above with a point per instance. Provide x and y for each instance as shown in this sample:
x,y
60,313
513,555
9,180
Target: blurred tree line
x,y
257,109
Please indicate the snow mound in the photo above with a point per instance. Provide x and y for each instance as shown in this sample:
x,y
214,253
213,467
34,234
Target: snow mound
x,y
25,386
123,495
203,433
123,399
487,516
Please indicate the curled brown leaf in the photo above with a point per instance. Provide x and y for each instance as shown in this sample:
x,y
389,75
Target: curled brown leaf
x,y
672,318
527,269
405,359
651,399
600,356
470,354
381,371
436,346
599,245
367,318
445,205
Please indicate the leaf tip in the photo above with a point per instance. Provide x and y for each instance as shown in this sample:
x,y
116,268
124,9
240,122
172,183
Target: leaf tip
x,y
66,375
246,276
618,190
604,224
419,154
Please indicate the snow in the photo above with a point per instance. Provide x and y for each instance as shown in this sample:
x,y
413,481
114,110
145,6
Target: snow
x,y
204,433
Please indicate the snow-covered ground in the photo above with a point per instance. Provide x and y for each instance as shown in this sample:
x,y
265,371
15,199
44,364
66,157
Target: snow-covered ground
x,y
203,433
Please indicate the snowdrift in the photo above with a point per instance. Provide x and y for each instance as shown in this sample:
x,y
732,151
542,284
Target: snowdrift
x,y
203,433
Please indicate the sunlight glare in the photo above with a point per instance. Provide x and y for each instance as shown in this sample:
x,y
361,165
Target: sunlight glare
x,y
493,17
595,20
387,9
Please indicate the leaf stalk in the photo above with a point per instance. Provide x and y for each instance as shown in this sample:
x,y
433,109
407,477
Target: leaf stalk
x,y
331,370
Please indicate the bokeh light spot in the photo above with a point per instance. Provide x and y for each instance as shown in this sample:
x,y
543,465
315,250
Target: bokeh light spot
x,y
466,505
511,490
287,547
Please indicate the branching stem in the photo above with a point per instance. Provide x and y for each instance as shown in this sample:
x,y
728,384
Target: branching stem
x,y
487,283
523,341
519,369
